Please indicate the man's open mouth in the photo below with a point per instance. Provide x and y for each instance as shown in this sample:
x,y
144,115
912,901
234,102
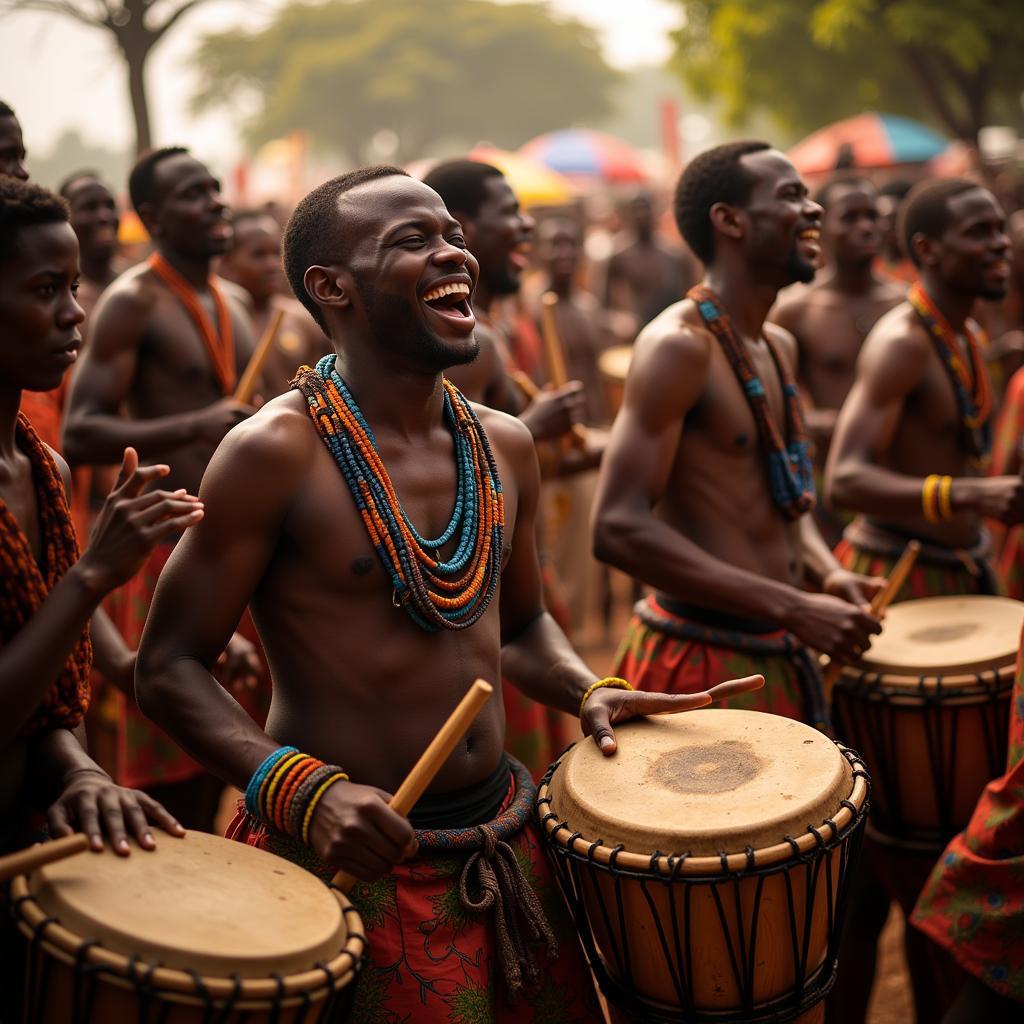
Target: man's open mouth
x,y
810,240
451,300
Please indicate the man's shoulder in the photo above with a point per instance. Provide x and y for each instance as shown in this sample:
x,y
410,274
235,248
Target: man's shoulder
x,y
277,440
236,295
676,333
137,289
898,338
508,433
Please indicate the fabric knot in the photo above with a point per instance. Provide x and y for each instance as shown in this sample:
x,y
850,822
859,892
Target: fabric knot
x,y
495,874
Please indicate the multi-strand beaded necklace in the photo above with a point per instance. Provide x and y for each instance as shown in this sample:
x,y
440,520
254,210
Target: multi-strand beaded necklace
x,y
972,386
790,474
437,594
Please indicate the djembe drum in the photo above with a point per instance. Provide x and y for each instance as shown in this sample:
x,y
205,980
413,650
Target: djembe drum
x,y
928,706
201,929
613,365
707,863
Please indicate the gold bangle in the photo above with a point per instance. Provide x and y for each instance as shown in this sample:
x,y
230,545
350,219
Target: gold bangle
x,y
945,497
613,681
928,504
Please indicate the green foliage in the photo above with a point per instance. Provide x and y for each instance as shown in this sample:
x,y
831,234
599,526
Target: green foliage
x,y
458,70
954,63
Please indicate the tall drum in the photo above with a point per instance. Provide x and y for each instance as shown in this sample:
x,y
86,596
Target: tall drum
x,y
928,707
201,929
707,863
613,365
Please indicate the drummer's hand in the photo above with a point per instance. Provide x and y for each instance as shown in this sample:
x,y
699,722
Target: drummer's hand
x,y
92,802
841,629
353,829
238,668
552,412
608,705
851,586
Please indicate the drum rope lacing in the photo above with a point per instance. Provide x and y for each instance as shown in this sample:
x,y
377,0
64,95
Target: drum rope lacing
x,y
869,721
812,982
216,1009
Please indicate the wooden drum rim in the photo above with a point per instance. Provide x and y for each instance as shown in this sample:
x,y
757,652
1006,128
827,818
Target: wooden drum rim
x,y
605,365
928,685
709,866
65,945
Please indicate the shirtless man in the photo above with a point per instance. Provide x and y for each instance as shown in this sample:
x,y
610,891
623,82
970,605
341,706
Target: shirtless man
x,y
831,318
254,263
645,274
905,456
149,378
685,502
363,675
95,220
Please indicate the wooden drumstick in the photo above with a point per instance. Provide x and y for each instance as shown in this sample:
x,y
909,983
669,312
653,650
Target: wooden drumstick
x,y
431,760
530,391
251,375
881,601
553,351
25,861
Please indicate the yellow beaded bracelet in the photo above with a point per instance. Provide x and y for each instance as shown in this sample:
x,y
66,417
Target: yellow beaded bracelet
x,y
945,497
613,681
315,799
928,503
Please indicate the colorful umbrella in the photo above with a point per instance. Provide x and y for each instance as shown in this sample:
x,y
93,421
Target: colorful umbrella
x,y
867,140
579,152
532,182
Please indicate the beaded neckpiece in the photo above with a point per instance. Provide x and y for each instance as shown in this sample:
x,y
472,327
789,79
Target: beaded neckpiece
x,y
436,594
972,386
789,466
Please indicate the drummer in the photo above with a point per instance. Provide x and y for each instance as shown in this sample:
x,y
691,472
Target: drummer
x,y
914,436
45,616
368,655
688,501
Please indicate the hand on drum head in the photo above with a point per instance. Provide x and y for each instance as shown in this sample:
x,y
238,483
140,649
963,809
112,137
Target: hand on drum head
x,y
93,802
852,586
354,830
838,628
608,706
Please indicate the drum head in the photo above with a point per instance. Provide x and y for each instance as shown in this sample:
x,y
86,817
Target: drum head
x,y
200,903
707,782
946,636
613,363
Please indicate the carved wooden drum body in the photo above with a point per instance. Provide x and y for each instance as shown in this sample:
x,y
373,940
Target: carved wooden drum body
x,y
613,365
927,707
201,929
707,863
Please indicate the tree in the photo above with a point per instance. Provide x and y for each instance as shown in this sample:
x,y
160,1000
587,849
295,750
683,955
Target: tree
x,y
137,26
808,62
450,70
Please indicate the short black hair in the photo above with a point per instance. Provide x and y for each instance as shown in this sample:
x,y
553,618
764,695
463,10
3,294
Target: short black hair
x,y
248,215
23,205
308,238
715,176
926,210
556,220
897,189
462,184
6,111
67,186
826,194
142,179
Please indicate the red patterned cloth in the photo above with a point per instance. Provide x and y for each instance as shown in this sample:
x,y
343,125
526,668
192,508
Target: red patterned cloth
x,y
973,904
667,652
146,755
430,958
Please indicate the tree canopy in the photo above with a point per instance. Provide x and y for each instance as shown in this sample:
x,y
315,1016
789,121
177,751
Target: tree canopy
x,y
459,70
953,63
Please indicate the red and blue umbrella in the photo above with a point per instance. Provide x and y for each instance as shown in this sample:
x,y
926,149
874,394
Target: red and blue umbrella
x,y
867,140
578,152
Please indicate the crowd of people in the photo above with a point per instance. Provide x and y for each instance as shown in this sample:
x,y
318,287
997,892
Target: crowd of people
x,y
427,481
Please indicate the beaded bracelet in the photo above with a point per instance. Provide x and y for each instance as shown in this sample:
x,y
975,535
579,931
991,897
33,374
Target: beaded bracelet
x,y
286,788
929,505
613,681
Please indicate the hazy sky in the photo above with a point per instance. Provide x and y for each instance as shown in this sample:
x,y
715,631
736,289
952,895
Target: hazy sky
x,y
57,74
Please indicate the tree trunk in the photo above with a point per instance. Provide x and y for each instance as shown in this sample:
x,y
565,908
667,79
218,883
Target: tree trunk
x,y
136,64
